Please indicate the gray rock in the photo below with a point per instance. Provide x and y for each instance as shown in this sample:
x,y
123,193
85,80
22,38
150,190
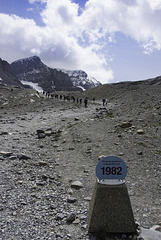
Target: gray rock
x,y
71,217
48,133
76,119
71,200
76,221
12,157
70,191
40,183
87,199
140,131
125,124
59,217
71,148
77,185
52,206
23,157
4,133
156,228
148,234
43,163
5,154
41,134
83,217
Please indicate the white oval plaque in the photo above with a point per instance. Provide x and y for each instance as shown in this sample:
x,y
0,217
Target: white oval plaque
x,y
111,167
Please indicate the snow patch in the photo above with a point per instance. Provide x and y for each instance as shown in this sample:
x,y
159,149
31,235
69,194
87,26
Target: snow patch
x,y
81,79
33,85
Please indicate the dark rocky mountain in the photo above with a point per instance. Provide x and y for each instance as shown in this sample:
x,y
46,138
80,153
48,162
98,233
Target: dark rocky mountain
x,y
33,72
7,75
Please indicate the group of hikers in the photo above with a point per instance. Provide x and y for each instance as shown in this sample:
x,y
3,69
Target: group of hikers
x,y
66,97
71,98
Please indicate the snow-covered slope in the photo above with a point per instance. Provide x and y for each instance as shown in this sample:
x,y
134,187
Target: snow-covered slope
x,y
81,79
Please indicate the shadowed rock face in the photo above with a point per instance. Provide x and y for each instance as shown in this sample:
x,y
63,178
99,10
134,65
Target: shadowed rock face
x,y
33,70
7,75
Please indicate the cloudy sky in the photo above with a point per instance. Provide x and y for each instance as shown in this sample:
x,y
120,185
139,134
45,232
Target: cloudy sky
x,y
112,40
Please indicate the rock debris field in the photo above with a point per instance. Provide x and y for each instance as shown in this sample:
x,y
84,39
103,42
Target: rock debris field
x,y
49,149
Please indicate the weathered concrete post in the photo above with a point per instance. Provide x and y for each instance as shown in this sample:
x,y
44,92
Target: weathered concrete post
x,y
110,209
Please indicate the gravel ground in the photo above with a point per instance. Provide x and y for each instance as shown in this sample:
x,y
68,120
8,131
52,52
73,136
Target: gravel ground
x,y
47,144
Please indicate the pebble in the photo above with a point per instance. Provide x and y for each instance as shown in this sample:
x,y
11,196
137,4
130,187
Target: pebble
x,y
140,131
76,119
125,124
6,154
12,157
76,221
140,153
77,185
100,157
83,217
43,163
71,148
70,191
4,133
71,200
23,157
71,217
59,217
87,199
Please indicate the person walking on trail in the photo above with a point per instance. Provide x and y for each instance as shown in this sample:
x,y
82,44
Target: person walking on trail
x,y
85,102
103,100
106,101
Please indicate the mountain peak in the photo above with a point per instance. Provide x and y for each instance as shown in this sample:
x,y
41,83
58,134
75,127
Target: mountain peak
x,y
81,79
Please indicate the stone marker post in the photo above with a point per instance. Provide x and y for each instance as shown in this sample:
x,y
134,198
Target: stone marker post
x,y
110,209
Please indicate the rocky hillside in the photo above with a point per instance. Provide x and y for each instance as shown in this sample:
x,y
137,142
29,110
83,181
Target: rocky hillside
x,y
117,90
49,151
81,79
33,72
7,75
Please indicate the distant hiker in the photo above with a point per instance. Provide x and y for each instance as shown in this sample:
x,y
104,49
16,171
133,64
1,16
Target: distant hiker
x,y
106,101
73,98
103,100
85,102
68,98
80,100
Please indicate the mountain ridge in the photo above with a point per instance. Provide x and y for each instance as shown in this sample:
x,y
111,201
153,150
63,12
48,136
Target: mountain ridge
x,y
7,75
32,70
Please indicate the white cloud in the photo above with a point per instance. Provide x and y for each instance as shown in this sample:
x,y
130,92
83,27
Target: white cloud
x,y
139,19
34,1
73,41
